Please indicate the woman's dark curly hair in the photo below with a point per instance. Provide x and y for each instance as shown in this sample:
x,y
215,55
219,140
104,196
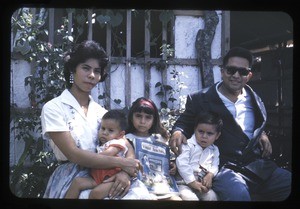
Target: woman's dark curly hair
x,y
80,53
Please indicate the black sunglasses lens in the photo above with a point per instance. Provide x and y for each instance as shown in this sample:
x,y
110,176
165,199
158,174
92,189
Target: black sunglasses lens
x,y
232,70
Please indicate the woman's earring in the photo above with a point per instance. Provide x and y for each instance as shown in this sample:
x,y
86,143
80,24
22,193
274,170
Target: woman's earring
x,y
71,78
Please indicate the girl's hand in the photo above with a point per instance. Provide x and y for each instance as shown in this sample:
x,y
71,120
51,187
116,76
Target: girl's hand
x,y
173,168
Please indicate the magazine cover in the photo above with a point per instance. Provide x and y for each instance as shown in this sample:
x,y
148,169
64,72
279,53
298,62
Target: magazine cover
x,y
154,157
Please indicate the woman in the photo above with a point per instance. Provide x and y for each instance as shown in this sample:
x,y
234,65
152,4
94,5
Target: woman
x,y
71,122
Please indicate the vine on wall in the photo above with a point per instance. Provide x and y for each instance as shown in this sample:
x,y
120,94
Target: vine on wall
x,y
30,175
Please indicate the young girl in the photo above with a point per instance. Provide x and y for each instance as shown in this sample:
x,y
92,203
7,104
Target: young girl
x,y
144,125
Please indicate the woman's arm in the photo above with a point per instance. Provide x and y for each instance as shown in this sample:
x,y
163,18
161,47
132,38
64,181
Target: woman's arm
x,y
122,178
65,142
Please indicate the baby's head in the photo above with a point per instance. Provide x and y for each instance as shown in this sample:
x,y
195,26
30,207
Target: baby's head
x,y
113,125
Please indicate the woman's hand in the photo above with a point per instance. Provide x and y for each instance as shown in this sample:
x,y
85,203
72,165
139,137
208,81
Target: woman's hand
x,y
121,185
131,166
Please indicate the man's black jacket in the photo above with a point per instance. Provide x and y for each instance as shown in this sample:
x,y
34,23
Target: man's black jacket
x,y
233,141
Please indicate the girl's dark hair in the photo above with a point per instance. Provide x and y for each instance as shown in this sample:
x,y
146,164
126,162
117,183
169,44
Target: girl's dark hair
x,y
147,106
238,52
82,52
118,115
210,118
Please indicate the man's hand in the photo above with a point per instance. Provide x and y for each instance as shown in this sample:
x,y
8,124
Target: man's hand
x,y
265,145
176,140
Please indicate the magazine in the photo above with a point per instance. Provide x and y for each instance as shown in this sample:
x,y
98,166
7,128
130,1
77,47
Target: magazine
x,y
155,156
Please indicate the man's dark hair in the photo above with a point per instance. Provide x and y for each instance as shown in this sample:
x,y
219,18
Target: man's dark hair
x,y
238,52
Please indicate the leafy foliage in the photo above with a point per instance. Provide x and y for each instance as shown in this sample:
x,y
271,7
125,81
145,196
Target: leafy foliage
x,y
29,176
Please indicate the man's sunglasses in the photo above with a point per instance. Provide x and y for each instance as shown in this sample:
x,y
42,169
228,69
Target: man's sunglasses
x,y
232,70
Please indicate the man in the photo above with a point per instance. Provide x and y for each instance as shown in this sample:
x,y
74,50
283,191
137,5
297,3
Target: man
x,y
243,140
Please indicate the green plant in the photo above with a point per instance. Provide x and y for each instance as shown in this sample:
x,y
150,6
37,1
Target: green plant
x,y
29,176
169,94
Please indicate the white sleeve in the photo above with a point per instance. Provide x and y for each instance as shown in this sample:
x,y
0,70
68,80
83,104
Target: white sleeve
x,y
53,120
119,143
216,161
183,164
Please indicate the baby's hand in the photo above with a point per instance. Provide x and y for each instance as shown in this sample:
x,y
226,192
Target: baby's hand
x,y
207,180
198,186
